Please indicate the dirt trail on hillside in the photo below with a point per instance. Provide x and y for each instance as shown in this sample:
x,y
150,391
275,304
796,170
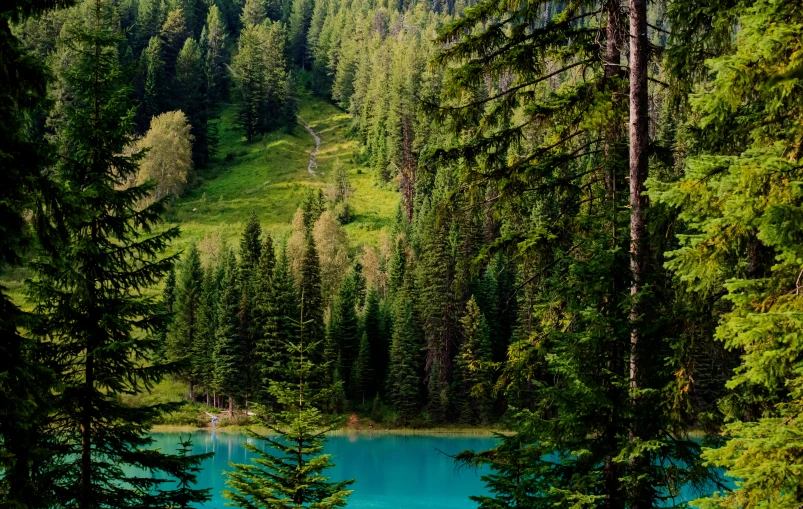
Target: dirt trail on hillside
x,y
313,163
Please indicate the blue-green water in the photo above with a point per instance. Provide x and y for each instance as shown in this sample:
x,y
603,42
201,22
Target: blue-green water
x,y
392,471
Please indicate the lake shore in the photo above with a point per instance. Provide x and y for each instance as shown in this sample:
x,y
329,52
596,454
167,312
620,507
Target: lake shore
x,y
161,428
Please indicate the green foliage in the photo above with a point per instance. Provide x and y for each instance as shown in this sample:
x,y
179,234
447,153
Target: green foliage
x,y
184,333
261,74
344,329
190,92
229,375
404,372
289,471
739,201
96,324
473,367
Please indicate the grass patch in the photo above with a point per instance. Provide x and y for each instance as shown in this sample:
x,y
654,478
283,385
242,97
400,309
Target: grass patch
x,y
269,177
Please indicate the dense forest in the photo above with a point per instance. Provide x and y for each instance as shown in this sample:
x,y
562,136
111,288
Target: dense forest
x,y
597,246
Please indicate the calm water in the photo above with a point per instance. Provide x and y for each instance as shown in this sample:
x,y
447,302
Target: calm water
x,y
392,471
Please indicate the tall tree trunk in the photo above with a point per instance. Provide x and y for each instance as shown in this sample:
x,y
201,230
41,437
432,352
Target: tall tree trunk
x,y
639,137
613,69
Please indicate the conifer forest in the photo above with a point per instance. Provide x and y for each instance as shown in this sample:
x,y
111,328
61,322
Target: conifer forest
x,y
573,225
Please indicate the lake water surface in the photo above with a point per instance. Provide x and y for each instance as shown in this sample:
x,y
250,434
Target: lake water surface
x,y
392,471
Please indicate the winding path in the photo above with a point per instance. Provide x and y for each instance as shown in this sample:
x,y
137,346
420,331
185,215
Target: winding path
x,y
313,163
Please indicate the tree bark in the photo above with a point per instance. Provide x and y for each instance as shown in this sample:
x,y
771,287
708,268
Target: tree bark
x,y
613,70
639,137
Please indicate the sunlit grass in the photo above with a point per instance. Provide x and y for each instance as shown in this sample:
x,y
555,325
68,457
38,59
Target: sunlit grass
x,y
269,177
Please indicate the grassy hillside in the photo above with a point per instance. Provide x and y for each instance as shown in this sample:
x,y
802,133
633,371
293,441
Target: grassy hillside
x,y
270,177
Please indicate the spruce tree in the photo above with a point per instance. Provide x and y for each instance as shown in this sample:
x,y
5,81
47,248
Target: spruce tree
x,y
377,339
173,34
299,24
561,173
251,244
89,288
344,328
254,13
154,96
404,371
213,44
739,241
261,318
473,369
362,373
309,292
229,371
281,308
25,378
189,90
203,350
288,471
184,332
247,276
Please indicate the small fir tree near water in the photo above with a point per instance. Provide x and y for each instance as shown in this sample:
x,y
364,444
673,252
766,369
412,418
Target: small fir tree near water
x,y
288,472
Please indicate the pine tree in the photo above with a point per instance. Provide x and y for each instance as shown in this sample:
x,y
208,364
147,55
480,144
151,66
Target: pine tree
x,y
213,44
190,97
184,333
289,471
89,288
377,339
739,242
247,275
309,294
173,34
149,20
312,207
203,351
25,380
344,328
153,99
562,182
251,244
229,372
299,23
281,308
363,374
261,319
250,75
473,365
404,372
254,13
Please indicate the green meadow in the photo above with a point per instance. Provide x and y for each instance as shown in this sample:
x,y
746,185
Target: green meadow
x,y
269,177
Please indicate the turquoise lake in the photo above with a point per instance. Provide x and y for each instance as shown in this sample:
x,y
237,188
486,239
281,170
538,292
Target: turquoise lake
x,y
392,471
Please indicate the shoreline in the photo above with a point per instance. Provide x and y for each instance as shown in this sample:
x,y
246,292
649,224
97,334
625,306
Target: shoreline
x,y
486,432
